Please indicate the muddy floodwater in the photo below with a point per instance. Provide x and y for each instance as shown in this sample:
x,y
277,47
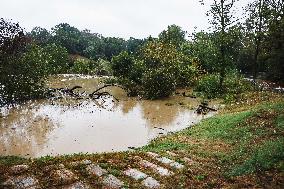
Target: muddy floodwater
x,y
68,125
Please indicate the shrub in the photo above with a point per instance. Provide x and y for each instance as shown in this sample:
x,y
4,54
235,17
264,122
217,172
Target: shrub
x,y
121,64
23,77
158,84
103,67
234,84
209,85
81,66
57,57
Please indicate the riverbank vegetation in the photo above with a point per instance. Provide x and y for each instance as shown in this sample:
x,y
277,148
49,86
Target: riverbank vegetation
x,y
211,62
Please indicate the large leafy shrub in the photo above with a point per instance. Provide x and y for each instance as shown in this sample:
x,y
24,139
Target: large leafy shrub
x,y
209,85
82,66
23,78
234,84
157,83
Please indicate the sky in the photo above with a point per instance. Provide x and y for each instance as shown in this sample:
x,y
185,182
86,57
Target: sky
x,y
111,18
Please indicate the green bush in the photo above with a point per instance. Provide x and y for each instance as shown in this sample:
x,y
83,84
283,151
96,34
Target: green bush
x,y
209,85
158,84
81,66
234,84
23,77
186,75
103,67
121,64
57,57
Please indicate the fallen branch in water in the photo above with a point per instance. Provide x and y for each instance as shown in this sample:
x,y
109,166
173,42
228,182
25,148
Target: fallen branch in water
x,y
204,109
105,86
212,109
99,95
96,94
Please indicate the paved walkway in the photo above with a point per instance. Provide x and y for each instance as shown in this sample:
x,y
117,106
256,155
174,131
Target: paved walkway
x,y
148,171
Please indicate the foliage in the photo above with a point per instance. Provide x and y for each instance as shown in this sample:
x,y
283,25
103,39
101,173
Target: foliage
x,y
174,35
23,78
103,67
57,58
267,156
208,85
234,85
122,64
23,65
81,66
40,35
68,37
157,83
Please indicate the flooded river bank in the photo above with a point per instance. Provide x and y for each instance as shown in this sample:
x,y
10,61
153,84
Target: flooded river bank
x,y
65,125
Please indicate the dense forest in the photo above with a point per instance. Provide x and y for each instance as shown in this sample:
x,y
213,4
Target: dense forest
x,y
212,62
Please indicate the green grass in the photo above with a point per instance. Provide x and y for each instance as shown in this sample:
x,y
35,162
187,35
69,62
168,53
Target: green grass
x,y
253,140
266,156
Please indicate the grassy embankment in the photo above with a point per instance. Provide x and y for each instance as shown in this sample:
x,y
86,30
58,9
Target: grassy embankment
x,y
243,146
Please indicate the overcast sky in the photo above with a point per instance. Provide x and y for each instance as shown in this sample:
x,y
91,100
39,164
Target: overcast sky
x,y
119,18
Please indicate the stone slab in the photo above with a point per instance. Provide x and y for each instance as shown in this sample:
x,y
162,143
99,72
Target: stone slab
x,y
151,183
96,170
162,171
112,182
134,173
63,176
21,182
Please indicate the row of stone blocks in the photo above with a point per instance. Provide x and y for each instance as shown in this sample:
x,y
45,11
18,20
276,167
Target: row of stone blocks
x,y
68,180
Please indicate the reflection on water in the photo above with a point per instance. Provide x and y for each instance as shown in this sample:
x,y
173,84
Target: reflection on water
x,y
65,126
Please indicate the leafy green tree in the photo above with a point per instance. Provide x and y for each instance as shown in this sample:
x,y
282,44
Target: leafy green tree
x,y
68,37
222,20
113,46
255,25
173,35
274,39
57,58
205,52
40,35
134,45
122,64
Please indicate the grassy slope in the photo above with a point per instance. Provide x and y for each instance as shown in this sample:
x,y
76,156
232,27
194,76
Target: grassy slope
x,y
241,147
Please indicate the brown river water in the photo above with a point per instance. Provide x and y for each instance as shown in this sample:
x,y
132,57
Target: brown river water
x,y
65,126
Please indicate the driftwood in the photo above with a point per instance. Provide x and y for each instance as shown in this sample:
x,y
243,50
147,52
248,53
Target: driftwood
x,y
99,95
96,94
67,91
204,109
105,86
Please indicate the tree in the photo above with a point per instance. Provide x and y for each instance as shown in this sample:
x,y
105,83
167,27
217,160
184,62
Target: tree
x,y
57,58
222,19
113,46
40,35
133,45
274,39
254,25
68,37
173,35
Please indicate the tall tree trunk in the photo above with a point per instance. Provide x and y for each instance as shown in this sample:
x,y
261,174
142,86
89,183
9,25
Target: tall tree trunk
x,y
258,40
222,49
